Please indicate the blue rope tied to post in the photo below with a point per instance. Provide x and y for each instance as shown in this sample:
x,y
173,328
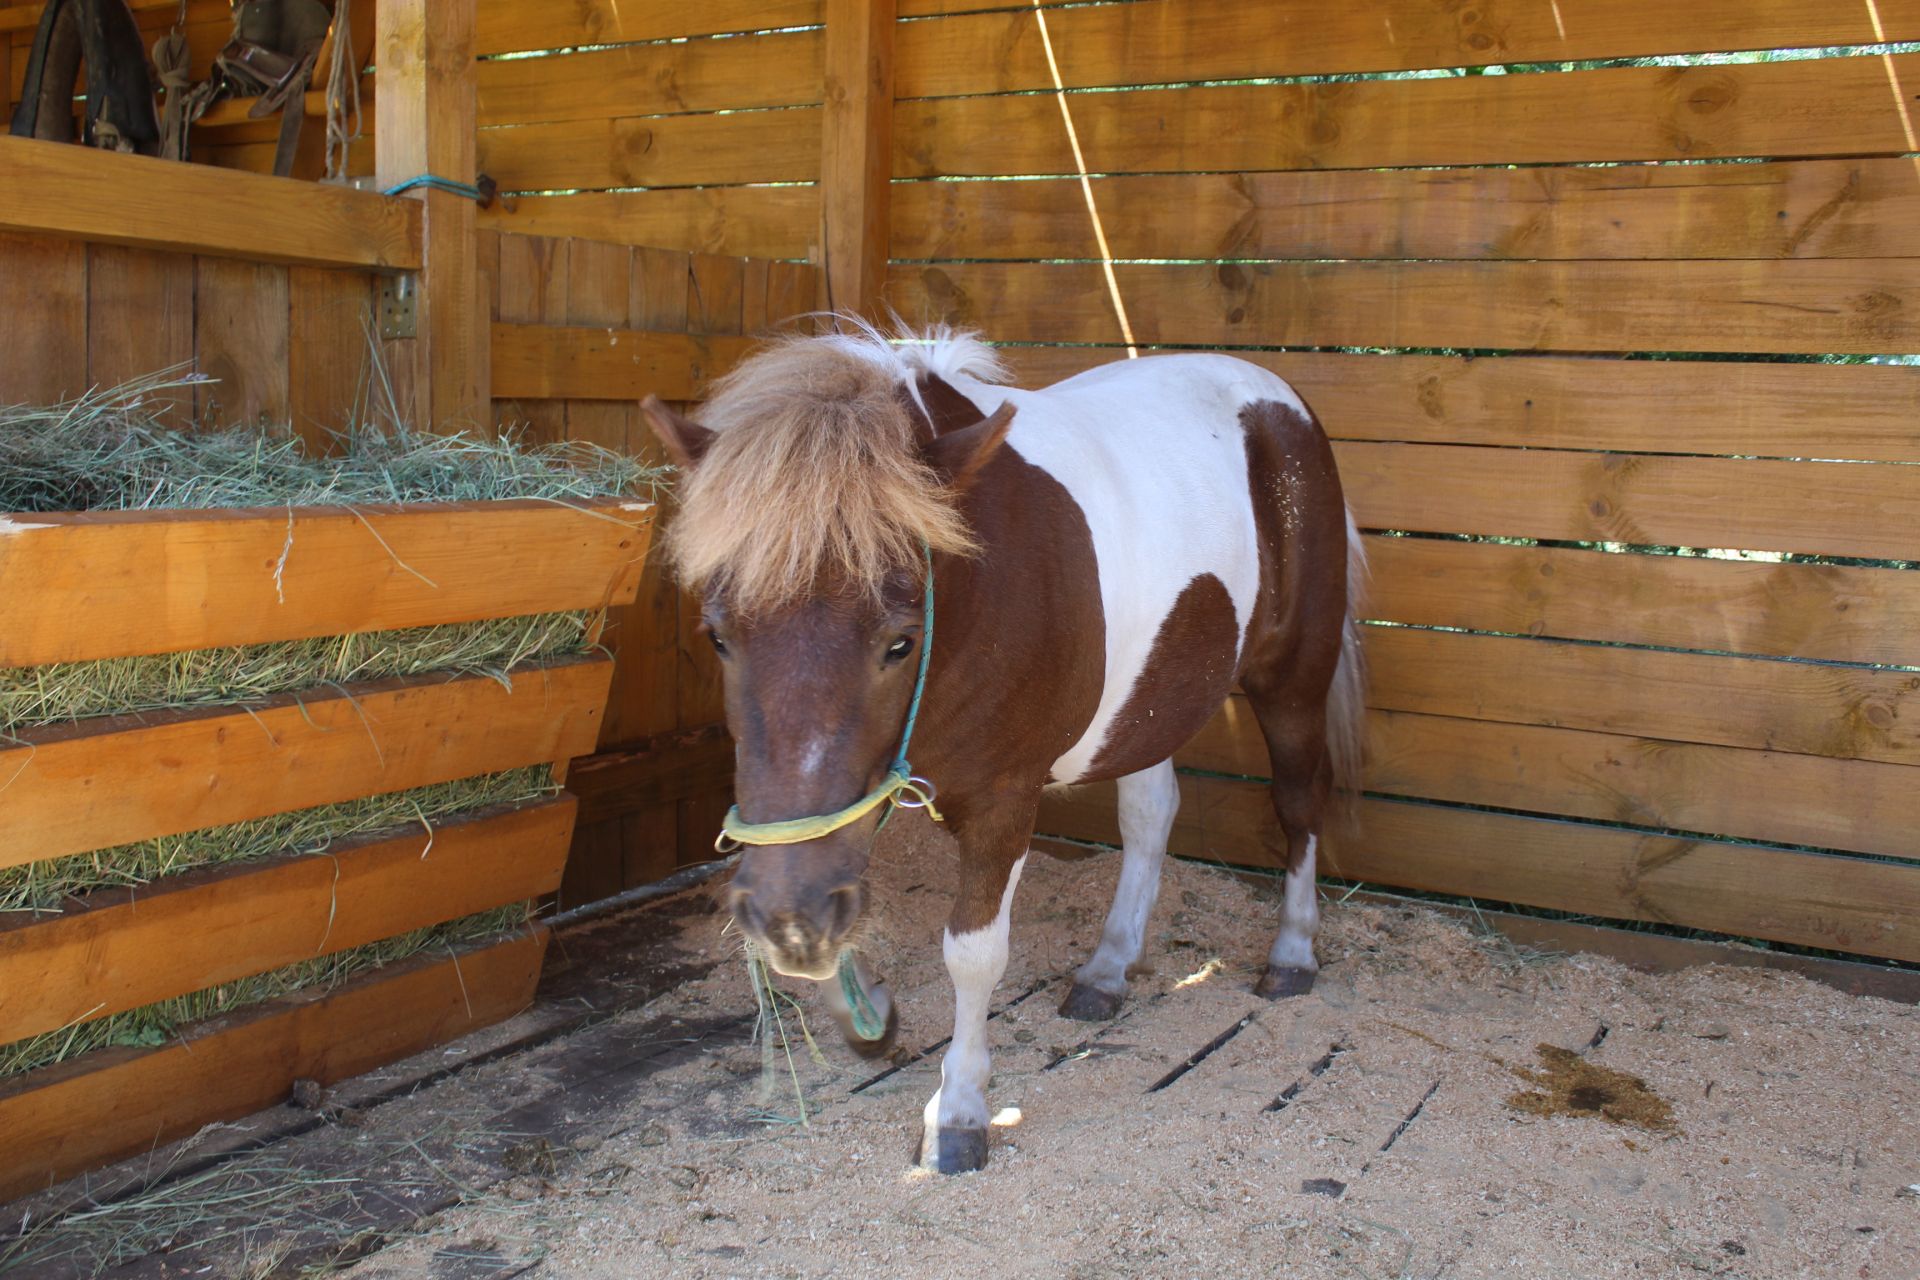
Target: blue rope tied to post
x,y
436,183
900,780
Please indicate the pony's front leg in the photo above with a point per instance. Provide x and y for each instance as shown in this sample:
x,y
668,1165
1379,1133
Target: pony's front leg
x,y
954,1139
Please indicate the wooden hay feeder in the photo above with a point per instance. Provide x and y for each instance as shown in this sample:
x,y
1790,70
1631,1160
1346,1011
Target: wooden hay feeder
x,y
110,585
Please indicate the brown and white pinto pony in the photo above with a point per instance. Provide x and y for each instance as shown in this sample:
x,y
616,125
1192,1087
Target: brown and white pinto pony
x,y
1111,556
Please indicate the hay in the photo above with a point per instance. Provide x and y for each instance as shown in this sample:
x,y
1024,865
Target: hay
x,y
45,886
60,692
109,451
155,1024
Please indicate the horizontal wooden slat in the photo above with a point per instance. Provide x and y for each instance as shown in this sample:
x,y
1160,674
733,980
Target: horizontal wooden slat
x,y
653,79
501,27
552,362
82,193
1787,410
126,948
764,222
1804,708
111,584
1754,795
106,782
1830,612
1805,899
1165,41
1743,306
1796,209
1846,904
1814,107
656,151
1830,508
115,1103
665,769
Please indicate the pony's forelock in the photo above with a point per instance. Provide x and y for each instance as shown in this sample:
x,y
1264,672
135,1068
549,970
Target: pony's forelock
x,y
814,479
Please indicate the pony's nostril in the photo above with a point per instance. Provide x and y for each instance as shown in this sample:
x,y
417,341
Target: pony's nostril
x,y
847,905
749,916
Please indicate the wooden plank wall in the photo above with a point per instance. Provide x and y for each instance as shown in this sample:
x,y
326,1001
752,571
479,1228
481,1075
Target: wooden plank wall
x,y
1562,718
576,325
280,343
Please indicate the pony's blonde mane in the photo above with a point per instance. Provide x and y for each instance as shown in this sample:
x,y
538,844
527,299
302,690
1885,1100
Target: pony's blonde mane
x,y
814,478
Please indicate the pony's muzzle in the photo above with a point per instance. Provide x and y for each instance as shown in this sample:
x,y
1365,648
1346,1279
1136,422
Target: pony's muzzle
x,y
801,937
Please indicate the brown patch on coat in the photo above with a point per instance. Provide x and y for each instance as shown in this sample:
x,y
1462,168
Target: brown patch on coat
x,y
1019,659
1188,672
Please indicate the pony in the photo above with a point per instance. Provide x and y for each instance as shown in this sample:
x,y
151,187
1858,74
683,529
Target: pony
x,y
1105,560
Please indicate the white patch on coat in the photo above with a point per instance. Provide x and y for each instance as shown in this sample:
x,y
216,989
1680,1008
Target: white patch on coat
x,y
975,962
1148,801
1299,916
1154,453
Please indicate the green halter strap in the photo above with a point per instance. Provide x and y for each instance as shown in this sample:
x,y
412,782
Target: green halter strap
x,y
901,789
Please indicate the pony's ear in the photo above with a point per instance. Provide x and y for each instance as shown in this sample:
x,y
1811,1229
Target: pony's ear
x,y
959,455
686,442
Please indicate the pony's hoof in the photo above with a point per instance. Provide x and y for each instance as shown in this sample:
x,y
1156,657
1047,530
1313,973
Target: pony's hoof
x,y
1278,984
1091,1004
955,1151
884,1045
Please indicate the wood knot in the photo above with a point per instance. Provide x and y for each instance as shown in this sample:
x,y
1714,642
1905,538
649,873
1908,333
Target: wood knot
x,y
1713,96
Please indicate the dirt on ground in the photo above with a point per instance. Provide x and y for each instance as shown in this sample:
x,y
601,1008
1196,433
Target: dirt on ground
x,y
1441,1105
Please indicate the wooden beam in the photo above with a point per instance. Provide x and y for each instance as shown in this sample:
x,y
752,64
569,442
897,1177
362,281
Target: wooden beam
x,y
426,128
125,948
856,152
664,769
117,584
106,782
79,193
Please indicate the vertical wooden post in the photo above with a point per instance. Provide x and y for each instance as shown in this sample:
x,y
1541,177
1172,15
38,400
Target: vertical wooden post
x,y
423,53
856,153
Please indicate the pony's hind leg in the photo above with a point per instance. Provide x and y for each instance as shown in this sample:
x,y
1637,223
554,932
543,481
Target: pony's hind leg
x,y
1295,730
1148,800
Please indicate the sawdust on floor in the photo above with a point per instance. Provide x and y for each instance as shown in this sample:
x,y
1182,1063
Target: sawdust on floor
x,y
1726,1122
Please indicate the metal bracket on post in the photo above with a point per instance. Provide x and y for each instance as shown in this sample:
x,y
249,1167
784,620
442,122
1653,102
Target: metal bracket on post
x,y
399,295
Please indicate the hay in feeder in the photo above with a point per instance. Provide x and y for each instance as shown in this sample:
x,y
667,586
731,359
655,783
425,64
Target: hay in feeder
x,y
59,692
154,1024
45,886
109,451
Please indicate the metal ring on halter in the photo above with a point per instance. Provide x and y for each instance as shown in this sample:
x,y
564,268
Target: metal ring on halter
x,y
725,844
922,791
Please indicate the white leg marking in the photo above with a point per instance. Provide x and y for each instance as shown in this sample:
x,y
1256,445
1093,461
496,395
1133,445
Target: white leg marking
x,y
1299,917
1148,801
975,961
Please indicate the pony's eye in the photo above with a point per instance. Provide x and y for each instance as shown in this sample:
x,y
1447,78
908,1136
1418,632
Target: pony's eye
x,y
719,645
900,648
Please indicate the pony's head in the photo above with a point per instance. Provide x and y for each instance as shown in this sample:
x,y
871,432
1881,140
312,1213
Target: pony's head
x,y
812,494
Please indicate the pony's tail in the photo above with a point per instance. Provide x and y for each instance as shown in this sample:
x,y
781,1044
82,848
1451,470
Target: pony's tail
x,y
1347,699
